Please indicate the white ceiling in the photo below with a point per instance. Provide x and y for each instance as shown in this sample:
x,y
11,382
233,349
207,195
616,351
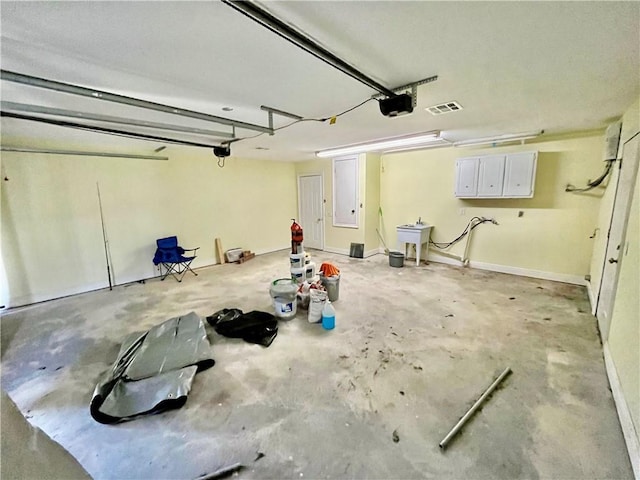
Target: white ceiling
x,y
513,66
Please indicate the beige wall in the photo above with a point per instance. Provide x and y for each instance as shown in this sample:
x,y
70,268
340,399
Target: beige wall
x,y
339,239
552,235
52,241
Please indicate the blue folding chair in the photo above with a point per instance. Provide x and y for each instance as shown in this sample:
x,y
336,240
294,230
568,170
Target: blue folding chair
x,y
171,256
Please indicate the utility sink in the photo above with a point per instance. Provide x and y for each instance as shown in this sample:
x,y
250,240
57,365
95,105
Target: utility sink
x,y
416,233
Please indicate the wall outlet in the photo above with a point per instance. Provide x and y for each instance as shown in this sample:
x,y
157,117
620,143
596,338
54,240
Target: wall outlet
x,y
462,211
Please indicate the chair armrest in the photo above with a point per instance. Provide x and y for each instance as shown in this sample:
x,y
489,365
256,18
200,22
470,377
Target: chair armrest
x,y
191,249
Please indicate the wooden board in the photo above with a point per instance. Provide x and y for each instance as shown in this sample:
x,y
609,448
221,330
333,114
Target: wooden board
x,y
219,251
246,256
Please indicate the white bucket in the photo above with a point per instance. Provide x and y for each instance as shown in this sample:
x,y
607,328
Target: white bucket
x,y
298,274
296,259
283,292
285,308
310,271
307,258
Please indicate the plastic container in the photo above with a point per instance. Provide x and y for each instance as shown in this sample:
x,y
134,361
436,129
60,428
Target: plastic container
x,y
396,259
233,255
310,271
283,293
328,316
296,232
298,274
332,284
307,258
297,260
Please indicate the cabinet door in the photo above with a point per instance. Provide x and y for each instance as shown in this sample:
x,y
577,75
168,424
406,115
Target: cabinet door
x,y
520,174
491,175
467,177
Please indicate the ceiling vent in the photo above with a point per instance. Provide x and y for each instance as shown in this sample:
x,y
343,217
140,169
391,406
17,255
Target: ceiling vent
x,y
444,108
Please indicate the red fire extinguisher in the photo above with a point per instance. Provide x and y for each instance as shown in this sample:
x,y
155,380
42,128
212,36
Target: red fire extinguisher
x,y
296,236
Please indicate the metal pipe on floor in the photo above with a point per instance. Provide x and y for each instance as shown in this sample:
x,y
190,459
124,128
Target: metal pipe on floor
x,y
458,426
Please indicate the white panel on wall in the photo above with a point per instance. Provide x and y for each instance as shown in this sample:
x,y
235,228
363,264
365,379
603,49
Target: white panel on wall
x,y
345,192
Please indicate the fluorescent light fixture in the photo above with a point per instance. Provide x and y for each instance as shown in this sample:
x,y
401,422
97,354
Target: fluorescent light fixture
x,y
441,143
384,144
498,139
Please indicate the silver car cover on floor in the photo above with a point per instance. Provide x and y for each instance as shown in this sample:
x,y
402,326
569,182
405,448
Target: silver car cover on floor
x,y
154,370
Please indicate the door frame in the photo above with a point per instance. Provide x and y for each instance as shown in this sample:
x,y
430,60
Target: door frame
x,y
322,203
621,206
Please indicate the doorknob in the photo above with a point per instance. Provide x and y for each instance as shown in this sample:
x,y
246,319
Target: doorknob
x,y
613,260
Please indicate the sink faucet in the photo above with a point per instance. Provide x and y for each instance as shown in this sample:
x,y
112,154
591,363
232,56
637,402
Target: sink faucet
x,y
419,222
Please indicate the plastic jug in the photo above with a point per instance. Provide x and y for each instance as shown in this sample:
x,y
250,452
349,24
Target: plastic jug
x,y
328,316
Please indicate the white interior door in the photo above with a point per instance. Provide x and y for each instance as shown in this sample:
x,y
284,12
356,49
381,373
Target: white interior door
x,y
345,192
617,233
311,211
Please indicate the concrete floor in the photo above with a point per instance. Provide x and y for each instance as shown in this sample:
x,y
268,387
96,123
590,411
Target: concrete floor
x,y
412,349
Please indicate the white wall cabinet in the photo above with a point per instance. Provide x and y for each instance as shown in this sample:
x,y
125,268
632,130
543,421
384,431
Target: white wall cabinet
x,y
490,176
466,177
509,175
519,175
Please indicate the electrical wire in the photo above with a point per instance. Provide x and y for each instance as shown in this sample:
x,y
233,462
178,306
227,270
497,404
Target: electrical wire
x,y
320,119
473,223
595,183
126,134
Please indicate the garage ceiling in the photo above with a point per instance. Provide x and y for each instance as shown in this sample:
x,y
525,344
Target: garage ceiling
x,y
512,66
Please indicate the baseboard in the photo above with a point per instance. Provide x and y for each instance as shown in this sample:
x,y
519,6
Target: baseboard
x,y
592,298
339,251
264,251
435,257
347,252
27,300
523,272
628,429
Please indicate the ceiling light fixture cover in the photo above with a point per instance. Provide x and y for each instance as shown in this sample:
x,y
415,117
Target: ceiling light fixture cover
x,y
395,143
498,139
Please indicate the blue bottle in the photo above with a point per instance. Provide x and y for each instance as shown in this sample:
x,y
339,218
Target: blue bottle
x,y
328,316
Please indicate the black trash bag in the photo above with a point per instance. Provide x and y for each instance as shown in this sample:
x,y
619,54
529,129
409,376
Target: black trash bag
x,y
253,327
